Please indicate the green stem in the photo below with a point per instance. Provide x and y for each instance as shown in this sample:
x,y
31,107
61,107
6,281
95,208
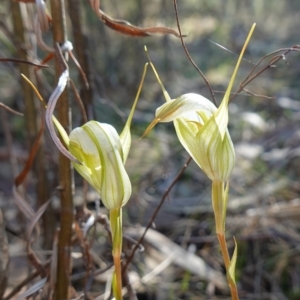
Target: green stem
x,y
116,234
226,258
224,250
219,205
219,199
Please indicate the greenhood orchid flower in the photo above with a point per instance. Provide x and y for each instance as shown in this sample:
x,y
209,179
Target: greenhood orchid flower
x,y
202,130
99,154
201,127
98,147
102,155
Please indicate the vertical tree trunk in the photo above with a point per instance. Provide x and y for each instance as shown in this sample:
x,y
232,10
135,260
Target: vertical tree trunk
x,y
4,257
22,43
18,9
65,172
82,55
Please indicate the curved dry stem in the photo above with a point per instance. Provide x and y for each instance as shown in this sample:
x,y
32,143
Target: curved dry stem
x,y
189,56
126,28
26,281
11,110
156,212
49,113
252,75
16,60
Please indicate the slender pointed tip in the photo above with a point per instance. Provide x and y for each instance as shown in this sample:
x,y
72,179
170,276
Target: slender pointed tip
x,y
149,128
144,134
71,157
252,28
77,162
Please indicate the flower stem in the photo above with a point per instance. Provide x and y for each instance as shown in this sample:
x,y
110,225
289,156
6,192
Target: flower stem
x,y
226,258
219,200
116,233
224,250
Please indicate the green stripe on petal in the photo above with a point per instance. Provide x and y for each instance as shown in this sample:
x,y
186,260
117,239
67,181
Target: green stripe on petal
x,y
215,154
115,189
183,105
84,149
98,147
186,133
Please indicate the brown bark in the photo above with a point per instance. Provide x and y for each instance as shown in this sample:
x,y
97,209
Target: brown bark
x,y
22,44
83,56
4,256
65,171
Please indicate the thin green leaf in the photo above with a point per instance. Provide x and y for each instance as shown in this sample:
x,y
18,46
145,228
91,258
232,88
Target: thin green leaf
x,y
58,126
166,95
231,269
125,136
222,113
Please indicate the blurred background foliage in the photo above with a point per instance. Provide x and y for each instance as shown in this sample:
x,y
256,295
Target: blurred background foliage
x,y
264,206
